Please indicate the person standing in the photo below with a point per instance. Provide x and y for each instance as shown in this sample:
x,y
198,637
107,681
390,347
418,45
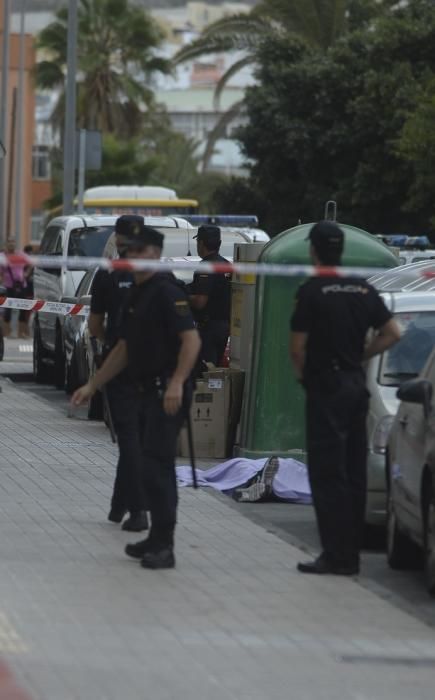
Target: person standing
x,y
210,297
329,327
13,279
159,346
108,295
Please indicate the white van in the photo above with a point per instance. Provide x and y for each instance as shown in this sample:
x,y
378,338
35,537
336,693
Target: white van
x,y
80,236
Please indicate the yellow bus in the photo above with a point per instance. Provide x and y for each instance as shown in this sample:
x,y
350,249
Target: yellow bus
x,y
132,199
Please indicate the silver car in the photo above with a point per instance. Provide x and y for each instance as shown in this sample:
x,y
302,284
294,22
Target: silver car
x,y
415,314
411,477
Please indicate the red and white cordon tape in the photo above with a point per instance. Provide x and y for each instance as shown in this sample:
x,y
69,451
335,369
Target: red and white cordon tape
x,y
169,264
52,307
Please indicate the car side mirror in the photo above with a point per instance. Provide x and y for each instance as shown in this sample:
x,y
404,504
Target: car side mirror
x,y
417,391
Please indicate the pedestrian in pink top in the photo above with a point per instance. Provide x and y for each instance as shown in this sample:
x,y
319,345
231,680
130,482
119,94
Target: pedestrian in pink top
x,y
13,278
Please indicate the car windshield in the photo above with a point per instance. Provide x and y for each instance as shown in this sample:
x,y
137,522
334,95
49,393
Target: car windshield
x,y
406,359
89,242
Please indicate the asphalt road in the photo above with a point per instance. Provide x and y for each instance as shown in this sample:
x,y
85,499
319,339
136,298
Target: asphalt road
x,y
293,523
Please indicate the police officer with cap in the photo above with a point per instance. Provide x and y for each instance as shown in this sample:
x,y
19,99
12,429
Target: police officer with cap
x,y
159,346
328,345
210,297
108,294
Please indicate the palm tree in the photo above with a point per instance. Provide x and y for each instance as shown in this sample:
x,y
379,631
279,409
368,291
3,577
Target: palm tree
x,y
117,45
318,22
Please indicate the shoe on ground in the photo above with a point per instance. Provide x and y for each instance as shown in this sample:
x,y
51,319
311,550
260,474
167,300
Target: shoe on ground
x,y
260,486
322,565
136,522
116,515
162,559
137,550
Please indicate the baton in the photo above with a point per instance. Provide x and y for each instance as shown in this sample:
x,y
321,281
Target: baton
x,y
108,414
191,449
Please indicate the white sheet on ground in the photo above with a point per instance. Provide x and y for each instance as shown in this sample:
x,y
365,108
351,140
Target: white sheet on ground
x,y
290,483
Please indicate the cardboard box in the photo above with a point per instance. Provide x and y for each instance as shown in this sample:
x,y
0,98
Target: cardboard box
x,y
215,414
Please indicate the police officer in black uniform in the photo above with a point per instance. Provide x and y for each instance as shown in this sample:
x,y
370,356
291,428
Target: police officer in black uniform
x,y
328,346
210,297
159,346
109,292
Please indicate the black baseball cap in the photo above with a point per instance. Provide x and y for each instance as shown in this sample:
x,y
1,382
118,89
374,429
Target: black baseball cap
x,y
136,233
210,235
126,224
326,236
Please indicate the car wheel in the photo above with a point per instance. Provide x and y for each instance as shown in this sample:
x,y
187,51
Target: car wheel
x,y
71,374
402,553
429,543
59,362
41,373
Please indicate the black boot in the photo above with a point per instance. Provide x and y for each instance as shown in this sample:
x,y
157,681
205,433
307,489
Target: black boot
x,y
138,549
160,559
136,522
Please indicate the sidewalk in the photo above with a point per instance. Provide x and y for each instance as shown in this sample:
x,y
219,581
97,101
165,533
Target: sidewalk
x,y
234,621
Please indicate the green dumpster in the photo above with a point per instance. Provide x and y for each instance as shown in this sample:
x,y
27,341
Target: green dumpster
x,y
273,413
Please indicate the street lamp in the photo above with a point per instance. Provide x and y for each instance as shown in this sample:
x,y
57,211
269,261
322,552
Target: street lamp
x,y
70,110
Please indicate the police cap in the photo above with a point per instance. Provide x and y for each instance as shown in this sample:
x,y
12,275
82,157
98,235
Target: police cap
x,y
135,232
210,235
326,236
127,223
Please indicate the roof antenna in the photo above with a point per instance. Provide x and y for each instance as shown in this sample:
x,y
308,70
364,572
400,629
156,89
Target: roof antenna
x,y
189,253
331,210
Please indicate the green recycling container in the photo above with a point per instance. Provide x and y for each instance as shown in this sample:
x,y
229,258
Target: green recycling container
x,y
273,419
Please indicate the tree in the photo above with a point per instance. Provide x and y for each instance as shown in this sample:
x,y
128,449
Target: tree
x,y
332,125
117,45
319,23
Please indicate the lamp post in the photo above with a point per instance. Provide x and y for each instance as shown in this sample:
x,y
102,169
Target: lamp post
x,y
19,199
4,106
69,146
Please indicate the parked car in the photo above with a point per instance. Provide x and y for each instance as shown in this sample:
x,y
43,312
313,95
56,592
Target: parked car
x,y
3,293
410,464
406,278
81,236
415,314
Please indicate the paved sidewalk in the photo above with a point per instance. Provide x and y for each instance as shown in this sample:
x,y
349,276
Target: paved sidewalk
x,y
234,621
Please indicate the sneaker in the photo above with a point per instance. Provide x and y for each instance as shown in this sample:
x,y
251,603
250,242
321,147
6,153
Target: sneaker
x,y
136,522
162,559
137,550
260,487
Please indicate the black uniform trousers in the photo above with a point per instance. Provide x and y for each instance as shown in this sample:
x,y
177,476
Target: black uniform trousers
x,y
128,491
159,434
214,338
336,412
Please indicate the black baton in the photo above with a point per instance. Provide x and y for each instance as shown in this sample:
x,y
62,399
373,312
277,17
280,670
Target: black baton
x,y
108,414
191,449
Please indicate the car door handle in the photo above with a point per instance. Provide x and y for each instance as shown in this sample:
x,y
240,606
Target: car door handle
x,y
403,422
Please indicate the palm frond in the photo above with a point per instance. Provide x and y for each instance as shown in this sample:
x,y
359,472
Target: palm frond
x,y
219,130
232,70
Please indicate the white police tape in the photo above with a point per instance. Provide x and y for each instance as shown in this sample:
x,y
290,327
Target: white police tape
x,y
53,307
170,264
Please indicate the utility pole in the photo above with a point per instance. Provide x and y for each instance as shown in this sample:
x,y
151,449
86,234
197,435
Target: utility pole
x,y
4,106
8,236
69,146
19,199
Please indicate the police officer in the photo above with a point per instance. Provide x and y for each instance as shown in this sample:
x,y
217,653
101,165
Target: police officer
x,y
210,297
159,346
109,291
327,346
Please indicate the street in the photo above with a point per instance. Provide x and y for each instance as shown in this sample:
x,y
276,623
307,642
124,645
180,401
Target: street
x,y
292,523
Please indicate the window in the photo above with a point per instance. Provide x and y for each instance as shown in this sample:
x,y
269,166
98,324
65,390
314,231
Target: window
x,y
406,359
41,167
36,226
51,241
